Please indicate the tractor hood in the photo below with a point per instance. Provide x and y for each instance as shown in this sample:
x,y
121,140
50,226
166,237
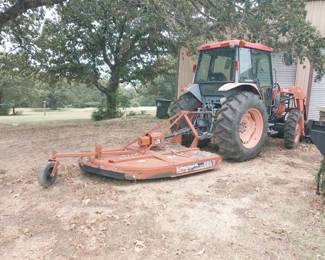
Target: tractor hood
x,y
203,90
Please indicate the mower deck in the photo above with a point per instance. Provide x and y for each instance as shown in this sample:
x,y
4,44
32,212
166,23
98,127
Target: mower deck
x,y
173,161
155,155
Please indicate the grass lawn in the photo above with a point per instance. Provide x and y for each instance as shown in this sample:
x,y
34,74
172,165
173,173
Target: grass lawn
x,y
31,115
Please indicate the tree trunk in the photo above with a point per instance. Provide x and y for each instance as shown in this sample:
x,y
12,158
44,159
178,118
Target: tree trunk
x,y
111,104
112,95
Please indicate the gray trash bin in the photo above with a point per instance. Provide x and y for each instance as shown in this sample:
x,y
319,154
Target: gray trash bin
x,y
162,105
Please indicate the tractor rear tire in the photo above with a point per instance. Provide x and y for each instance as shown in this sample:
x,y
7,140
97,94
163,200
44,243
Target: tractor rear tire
x,y
187,102
240,127
292,130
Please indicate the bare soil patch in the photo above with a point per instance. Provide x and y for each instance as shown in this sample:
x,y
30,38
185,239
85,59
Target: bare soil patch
x,y
264,208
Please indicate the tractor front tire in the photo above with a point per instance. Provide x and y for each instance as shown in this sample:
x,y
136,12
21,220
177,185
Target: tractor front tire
x,y
240,127
292,129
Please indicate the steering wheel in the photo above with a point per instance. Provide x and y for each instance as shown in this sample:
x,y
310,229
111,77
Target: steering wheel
x,y
218,76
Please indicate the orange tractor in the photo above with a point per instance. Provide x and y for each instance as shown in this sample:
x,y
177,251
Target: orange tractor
x,y
238,101
233,103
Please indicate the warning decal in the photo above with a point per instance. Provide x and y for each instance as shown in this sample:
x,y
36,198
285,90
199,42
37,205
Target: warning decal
x,y
195,167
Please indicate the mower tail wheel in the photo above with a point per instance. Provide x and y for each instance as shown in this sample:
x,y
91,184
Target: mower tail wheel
x,y
44,175
292,129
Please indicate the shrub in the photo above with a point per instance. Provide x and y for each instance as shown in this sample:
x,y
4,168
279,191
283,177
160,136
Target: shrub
x,y
99,114
134,103
132,113
90,104
147,100
4,109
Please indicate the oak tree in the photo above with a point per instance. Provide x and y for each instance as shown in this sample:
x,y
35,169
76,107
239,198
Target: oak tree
x,y
120,41
11,9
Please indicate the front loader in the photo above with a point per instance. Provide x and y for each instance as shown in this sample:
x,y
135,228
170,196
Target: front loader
x,y
239,104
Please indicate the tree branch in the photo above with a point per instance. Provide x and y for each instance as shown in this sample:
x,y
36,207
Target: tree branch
x,y
121,33
126,53
197,8
101,88
22,6
105,56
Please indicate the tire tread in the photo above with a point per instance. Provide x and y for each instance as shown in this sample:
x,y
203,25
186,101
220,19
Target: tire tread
x,y
290,128
224,134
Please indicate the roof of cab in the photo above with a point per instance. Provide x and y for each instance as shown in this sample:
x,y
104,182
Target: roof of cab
x,y
241,43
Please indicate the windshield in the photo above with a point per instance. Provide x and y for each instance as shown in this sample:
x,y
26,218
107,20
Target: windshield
x,y
216,65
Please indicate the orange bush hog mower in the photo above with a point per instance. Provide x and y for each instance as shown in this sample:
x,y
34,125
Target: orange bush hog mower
x,y
156,154
233,103
238,102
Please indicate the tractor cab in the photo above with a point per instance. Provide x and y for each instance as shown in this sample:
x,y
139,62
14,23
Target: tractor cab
x,y
225,66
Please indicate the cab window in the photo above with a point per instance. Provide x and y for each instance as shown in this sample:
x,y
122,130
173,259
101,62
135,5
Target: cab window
x,y
245,65
216,66
261,62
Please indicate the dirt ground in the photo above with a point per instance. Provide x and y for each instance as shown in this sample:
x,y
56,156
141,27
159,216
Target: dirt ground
x,y
265,208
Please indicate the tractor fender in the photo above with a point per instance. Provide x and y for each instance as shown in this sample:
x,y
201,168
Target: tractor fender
x,y
241,86
194,89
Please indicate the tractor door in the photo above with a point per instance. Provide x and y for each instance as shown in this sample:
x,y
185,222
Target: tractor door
x,y
262,71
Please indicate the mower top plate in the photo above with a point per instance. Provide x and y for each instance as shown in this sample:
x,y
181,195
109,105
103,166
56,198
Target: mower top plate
x,y
168,162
